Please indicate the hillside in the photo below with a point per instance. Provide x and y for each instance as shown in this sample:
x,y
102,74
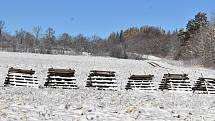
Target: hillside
x,y
84,104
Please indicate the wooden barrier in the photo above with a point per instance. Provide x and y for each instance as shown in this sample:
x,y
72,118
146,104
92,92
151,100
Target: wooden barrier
x,y
102,80
21,77
140,82
61,78
176,82
204,86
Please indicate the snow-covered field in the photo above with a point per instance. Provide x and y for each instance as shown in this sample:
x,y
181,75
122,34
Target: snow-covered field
x,y
84,104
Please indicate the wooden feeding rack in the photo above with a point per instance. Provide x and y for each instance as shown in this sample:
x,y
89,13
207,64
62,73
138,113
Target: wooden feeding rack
x,y
61,78
176,82
204,86
102,80
21,77
140,82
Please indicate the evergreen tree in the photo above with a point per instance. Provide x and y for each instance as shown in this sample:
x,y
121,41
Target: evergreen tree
x,y
198,22
186,37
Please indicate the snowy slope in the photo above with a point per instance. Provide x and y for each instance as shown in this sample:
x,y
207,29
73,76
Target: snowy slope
x,y
84,104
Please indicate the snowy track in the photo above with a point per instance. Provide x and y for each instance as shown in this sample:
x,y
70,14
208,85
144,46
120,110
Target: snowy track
x,y
84,104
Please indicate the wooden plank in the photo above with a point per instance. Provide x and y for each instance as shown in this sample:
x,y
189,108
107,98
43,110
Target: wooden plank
x,y
61,72
14,70
169,74
102,74
58,84
100,71
140,81
64,87
102,79
106,81
141,77
201,78
142,86
62,82
176,78
104,86
147,89
99,84
20,75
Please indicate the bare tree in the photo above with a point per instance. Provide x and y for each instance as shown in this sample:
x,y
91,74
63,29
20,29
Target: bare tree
x,y
64,41
29,42
50,34
37,30
20,35
2,27
25,40
49,39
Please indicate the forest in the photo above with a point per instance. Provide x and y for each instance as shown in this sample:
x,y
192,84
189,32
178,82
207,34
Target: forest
x,y
195,42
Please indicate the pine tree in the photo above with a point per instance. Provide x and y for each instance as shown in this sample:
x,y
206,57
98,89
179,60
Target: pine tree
x,y
198,22
187,37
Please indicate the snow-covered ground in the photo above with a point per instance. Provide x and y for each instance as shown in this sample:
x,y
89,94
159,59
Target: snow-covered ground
x,y
84,104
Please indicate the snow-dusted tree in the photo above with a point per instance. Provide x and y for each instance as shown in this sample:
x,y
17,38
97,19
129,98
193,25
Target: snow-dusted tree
x,y
37,30
187,49
209,47
204,45
198,22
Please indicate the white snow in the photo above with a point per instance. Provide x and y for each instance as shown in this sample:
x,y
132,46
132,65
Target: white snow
x,y
150,57
32,104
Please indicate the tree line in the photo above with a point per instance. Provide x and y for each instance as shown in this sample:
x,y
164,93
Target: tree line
x,y
197,41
